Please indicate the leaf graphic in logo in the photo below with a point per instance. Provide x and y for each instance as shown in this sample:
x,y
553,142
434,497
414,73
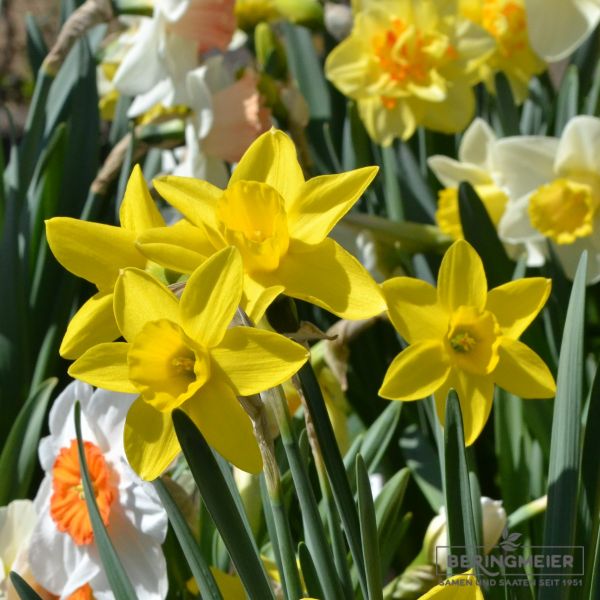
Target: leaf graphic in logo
x,y
508,542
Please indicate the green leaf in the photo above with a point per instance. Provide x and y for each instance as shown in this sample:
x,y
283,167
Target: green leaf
x,y
307,70
36,46
462,536
334,466
200,570
221,506
379,435
19,454
391,185
507,108
568,99
421,458
368,531
25,591
420,201
480,232
563,474
309,572
115,573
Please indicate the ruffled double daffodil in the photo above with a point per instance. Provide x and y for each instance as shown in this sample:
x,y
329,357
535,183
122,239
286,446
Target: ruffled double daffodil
x,y
461,336
279,223
98,252
183,354
410,63
506,21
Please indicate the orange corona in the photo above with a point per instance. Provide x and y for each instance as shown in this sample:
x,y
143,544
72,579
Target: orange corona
x,y
68,508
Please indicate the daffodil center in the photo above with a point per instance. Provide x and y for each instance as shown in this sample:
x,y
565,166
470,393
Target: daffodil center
x,y
564,210
166,365
506,21
409,57
68,508
253,218
472,340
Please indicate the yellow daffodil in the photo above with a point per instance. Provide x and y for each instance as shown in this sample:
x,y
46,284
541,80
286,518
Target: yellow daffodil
x,y
230,586
279,222
461,336
474,165
409,63
98,252
181,354
462,587
506,21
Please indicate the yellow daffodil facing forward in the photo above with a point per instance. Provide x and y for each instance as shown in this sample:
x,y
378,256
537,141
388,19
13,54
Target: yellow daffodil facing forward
x,y
279,222
182,354
409,63
461,336
98,252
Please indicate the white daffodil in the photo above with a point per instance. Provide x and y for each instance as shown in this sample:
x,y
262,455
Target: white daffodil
x,y
436,537
63,556
16,524
475,166
226,117
554,186
558,27
166,48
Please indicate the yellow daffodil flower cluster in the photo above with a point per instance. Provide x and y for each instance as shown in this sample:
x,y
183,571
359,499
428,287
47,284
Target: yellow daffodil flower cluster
x,y
178,346
411,63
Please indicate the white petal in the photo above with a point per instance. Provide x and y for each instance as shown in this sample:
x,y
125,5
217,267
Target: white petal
x,y
558,27
16,524
515,226
56,562
159,93
141,68
524,163
450,172
475,144
579,147
142,558
569,255
173,9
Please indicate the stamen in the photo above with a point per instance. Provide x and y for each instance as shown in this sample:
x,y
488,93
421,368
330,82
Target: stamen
x,y
183,364
462,342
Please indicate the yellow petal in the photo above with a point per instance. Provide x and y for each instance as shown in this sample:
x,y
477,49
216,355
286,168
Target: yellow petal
x,y
226,427
414,309
476,395
139,298
516,303
254,360
92,324
181,247
212,296
259,293
230,586
323,201
416,372
458,587
150,441
271,159
461,280
105,366
328,276
93,251
194,198
522,372
138,211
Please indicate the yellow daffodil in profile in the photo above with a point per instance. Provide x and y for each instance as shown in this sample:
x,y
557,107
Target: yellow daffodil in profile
x,y
458,587
279,223
98,252
461,336
409,63
506,21
183,354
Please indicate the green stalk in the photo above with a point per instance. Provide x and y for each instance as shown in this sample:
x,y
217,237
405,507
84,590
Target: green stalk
x,y
314,530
